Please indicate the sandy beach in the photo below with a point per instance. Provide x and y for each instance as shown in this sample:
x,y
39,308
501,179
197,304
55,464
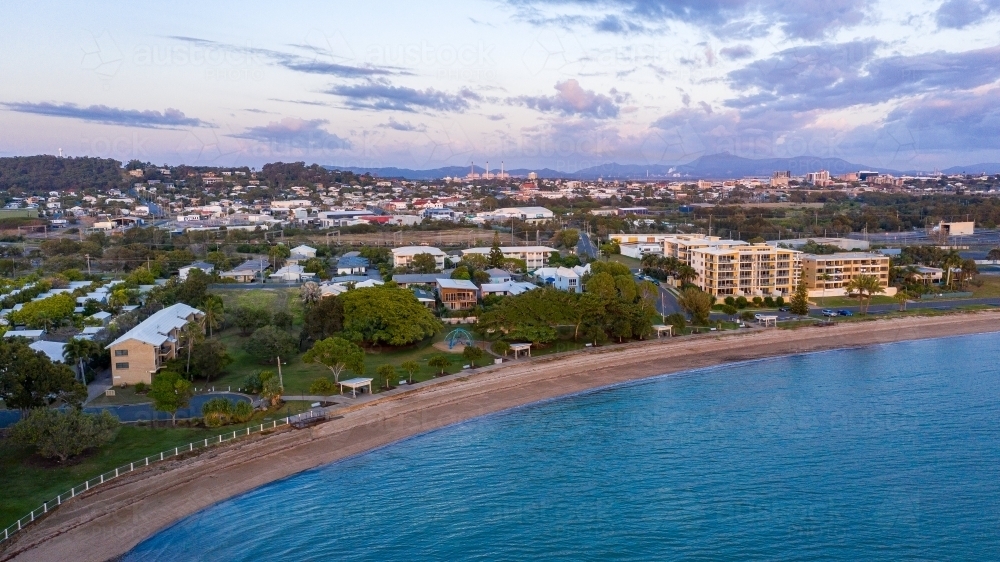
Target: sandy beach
x,y
112,519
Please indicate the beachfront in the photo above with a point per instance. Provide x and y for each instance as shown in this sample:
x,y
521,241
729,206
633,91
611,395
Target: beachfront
x,y
113,519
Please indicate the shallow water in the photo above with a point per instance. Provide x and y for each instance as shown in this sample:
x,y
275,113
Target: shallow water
x,y
884,453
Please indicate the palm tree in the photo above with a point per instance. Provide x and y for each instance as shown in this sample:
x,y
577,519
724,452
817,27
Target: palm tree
x,y
214,313
75,351
865,287
686,274
901,297
825,278
951,261
191,332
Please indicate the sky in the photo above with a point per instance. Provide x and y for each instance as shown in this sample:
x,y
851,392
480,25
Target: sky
x,y
560,84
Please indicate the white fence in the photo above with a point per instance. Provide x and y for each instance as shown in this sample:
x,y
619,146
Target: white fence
x,y
123,470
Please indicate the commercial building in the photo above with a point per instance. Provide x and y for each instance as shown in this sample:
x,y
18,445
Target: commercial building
x,y
748,270
533,256
948,228
140,352
846,244
402,257
827,275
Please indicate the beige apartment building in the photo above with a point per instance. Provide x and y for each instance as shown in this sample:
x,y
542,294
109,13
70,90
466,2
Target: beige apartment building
x,y
681,246
840,269
749,270
533,256
139,353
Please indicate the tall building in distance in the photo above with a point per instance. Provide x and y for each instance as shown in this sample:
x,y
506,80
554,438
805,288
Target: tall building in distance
x,y
781,178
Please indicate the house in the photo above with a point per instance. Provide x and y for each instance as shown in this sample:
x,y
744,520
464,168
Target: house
x,y
564,278
507,288
498,275
926,275
103,317
205,267
292,273
32,335
301,253
402,257
425,298
352,263
457,294
334,289
248,271
140,352
52,349
533,256
406,280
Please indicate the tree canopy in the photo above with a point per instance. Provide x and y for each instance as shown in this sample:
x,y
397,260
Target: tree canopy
x,y
386,315
337,354
29,379
65,433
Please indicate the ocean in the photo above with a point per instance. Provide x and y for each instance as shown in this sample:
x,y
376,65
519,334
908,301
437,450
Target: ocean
x,y
881,453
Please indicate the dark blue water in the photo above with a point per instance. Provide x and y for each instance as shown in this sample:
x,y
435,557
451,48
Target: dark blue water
x,y
885,453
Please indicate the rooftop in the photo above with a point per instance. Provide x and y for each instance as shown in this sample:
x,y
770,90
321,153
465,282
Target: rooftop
x,y
156,329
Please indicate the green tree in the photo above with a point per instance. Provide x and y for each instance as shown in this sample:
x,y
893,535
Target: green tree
x,y
423,263
322,320
214,313
190,333
46,313
271,389
568,237
28,379
410,367
277,254
800,299
993,255
472,353
194,290
248,319
170,392
501,347
609,249
387,373
322,387
337,354
901,297
268,343
310,293
440,361
209,360
495,258
697,303
64,433
386,315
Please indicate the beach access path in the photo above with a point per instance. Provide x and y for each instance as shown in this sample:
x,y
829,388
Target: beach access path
x,y
111,520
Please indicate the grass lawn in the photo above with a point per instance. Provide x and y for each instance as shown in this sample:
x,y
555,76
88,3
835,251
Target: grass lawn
x,y
28,480
838,302
632,263
273,300
298,375
989,288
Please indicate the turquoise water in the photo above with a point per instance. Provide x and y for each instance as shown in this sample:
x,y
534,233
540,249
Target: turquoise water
x,y
884,453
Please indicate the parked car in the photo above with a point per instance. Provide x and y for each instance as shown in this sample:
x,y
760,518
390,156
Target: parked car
x,y
829,313
784,309
845,313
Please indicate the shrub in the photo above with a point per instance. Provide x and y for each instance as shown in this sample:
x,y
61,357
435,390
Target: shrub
x,y
741,302
217,412
779,302
757,301
254,382
729,309
746,316
501,347
242,411
731,301
141,388
63,434
769,302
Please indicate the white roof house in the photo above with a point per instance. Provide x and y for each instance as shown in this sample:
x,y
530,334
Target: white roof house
x,y
156,329
401,257
52,349
563,278
292,273
29,334
507,288
182,273
305,251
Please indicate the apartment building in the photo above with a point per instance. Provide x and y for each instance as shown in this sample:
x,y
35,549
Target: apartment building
x,y
402,257
533,256
680,246
748,270
140,352
827,275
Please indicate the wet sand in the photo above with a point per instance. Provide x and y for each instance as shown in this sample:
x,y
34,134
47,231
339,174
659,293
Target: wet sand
x,y
111,520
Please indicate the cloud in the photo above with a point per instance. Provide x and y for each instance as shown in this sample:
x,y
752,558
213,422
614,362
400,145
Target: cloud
x,y
403,126
384,96
737,52
833,76
295,62
572,99
150,119
295,134
807,19
957,14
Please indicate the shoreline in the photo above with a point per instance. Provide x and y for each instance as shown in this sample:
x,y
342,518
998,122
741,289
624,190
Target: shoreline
x,y
111,520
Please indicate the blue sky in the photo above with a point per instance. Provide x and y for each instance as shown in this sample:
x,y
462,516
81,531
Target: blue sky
x,y
563,84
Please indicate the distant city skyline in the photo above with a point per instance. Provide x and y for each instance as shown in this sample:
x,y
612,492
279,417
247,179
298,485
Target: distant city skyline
x,y
559,84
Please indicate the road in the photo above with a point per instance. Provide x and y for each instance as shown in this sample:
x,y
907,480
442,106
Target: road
x,y
585,247
935,304
140,412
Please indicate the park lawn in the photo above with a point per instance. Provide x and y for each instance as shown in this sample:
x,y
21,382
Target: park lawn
x,y
838,302
29,480
297,375
283,299
989,287
632,263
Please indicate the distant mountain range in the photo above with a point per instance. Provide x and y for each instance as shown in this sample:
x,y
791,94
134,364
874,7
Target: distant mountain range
x,y
714,166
